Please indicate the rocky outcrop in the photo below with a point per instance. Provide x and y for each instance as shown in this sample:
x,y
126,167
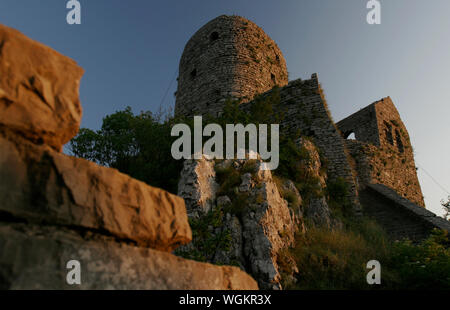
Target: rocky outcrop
x,y
38,90
56,208
198,186
316,208
247,213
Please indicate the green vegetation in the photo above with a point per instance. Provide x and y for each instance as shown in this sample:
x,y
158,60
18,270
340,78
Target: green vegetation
x,y
206,241
337,259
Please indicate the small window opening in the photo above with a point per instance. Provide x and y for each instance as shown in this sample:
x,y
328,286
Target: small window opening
x,y
399,141
214,36
388,132
193,73
351,136
277,58
272,76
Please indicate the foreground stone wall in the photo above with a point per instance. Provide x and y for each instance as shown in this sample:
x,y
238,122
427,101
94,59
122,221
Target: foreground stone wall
x,y
56,208
229,57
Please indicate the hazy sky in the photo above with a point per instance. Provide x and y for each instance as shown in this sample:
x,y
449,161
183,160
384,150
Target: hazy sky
x,y
131,49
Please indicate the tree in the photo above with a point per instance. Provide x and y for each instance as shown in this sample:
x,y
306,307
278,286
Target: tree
x,y
138,145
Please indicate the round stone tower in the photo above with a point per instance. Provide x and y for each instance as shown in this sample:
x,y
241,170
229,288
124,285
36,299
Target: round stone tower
x,y
229,57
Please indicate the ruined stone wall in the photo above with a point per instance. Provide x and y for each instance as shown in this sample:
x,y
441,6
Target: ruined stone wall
x,y
382,150
229,57
305,110
398,216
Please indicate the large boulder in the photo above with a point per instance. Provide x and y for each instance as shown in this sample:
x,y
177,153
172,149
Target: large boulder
x,y
38,90
45,186
36,257
197,186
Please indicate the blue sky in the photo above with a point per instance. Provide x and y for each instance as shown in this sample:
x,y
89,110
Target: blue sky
x,y
131,49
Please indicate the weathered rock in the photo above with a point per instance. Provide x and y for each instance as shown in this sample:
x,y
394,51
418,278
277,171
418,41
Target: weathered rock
x,y
247,182
197,186
45,186
223,201
38,90
255,218
295,203
34,257
319,212
233,255
268,228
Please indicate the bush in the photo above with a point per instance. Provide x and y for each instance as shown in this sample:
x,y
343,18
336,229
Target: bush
x,y
138,145
424,266
333,260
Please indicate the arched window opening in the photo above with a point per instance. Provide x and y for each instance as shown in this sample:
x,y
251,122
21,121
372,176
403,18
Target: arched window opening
x,y
272,76
193,73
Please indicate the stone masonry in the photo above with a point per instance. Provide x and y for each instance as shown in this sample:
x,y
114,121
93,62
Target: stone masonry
x,y
229,57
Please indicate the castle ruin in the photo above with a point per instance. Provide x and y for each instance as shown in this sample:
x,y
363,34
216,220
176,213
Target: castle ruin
x,y
232,58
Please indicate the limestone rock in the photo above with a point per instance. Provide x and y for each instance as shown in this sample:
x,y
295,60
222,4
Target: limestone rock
x,y
254,216
268,228
38,90
197,186
45,186
34,257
